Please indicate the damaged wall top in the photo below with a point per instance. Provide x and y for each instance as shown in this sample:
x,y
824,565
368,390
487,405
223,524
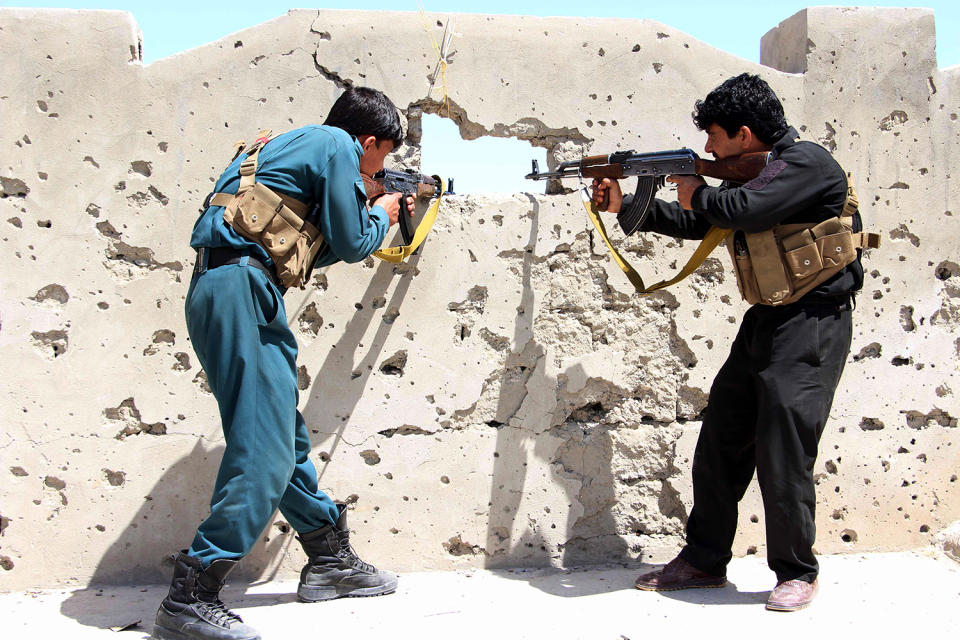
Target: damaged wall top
x,y
502,399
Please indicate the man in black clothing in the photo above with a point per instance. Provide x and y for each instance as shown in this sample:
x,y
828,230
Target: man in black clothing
x,y
770,401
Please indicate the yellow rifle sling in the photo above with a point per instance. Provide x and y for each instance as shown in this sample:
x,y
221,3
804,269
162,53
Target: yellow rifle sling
x,y
594,214
397,254
710,242
713,238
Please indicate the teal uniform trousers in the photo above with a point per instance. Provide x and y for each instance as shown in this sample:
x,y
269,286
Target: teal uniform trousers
x,y
238,326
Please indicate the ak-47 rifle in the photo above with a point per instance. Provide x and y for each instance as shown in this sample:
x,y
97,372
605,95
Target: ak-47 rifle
x,y
650,170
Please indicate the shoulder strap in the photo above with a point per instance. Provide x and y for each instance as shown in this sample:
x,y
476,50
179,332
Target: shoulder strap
x,y
248,168
851,206
248,175
852,203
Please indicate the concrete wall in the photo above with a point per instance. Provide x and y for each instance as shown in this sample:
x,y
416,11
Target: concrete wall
x,y
502,399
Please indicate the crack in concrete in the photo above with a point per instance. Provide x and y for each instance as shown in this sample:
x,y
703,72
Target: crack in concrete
x,y
332,76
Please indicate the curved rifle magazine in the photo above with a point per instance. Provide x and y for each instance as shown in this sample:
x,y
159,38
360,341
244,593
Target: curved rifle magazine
x,y
636,212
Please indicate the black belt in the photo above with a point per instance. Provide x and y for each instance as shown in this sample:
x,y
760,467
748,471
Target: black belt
x,y
211,258
839,303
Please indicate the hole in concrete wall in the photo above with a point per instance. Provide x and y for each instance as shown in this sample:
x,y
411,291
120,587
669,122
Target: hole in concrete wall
x,y
370,456
486,165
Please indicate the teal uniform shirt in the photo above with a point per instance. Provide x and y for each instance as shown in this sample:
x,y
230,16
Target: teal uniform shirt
x,y
314,164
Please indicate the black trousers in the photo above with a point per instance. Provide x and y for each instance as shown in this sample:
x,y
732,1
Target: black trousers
x,y
767,409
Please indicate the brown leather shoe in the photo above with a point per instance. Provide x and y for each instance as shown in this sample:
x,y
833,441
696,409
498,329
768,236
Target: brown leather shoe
x,y
792,595
678,574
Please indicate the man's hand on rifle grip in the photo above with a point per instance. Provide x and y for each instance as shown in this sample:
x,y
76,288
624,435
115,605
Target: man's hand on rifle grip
x,y
686,185
391,204
607,194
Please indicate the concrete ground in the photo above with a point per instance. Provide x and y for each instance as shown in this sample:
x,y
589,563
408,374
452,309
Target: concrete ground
x,y
893,595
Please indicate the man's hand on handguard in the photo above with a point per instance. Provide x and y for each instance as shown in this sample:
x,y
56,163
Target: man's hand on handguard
x,y
686,185
391,204
607,190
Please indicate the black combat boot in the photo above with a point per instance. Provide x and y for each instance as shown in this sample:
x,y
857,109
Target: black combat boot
x,y
334,570
193,610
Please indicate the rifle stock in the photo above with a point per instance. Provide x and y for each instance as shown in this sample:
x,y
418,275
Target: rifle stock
x,y
742,168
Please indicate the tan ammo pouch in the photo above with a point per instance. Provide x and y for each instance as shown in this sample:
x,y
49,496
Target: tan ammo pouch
x,y
781,265
273,220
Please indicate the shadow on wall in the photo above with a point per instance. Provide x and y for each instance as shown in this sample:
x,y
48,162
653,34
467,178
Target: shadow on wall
x,y
168,519
328,410
512,451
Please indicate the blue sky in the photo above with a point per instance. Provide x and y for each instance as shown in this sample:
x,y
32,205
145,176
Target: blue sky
x,y
736,26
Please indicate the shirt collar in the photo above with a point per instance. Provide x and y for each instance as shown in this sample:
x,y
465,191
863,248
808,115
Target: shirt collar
x,y
357,146
788,140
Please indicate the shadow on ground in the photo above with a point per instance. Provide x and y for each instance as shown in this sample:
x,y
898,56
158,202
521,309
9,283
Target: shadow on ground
x,y
167,520
599,579
143,551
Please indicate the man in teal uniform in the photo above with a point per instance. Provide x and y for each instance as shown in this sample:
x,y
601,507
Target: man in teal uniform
x,y
238,325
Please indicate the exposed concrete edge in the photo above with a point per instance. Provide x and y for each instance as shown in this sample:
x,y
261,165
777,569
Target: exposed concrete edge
x,y
103,18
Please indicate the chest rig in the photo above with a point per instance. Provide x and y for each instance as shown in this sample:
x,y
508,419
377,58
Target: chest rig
x,y
275,221
782,264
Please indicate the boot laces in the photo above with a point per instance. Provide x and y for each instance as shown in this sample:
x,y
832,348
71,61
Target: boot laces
x,y
217,613
349,556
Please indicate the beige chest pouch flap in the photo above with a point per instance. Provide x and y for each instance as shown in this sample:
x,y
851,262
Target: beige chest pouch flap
x,y
773,284
273,220
781,265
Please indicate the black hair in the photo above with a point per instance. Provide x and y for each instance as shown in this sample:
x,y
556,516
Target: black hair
x,y
744,100
365,111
